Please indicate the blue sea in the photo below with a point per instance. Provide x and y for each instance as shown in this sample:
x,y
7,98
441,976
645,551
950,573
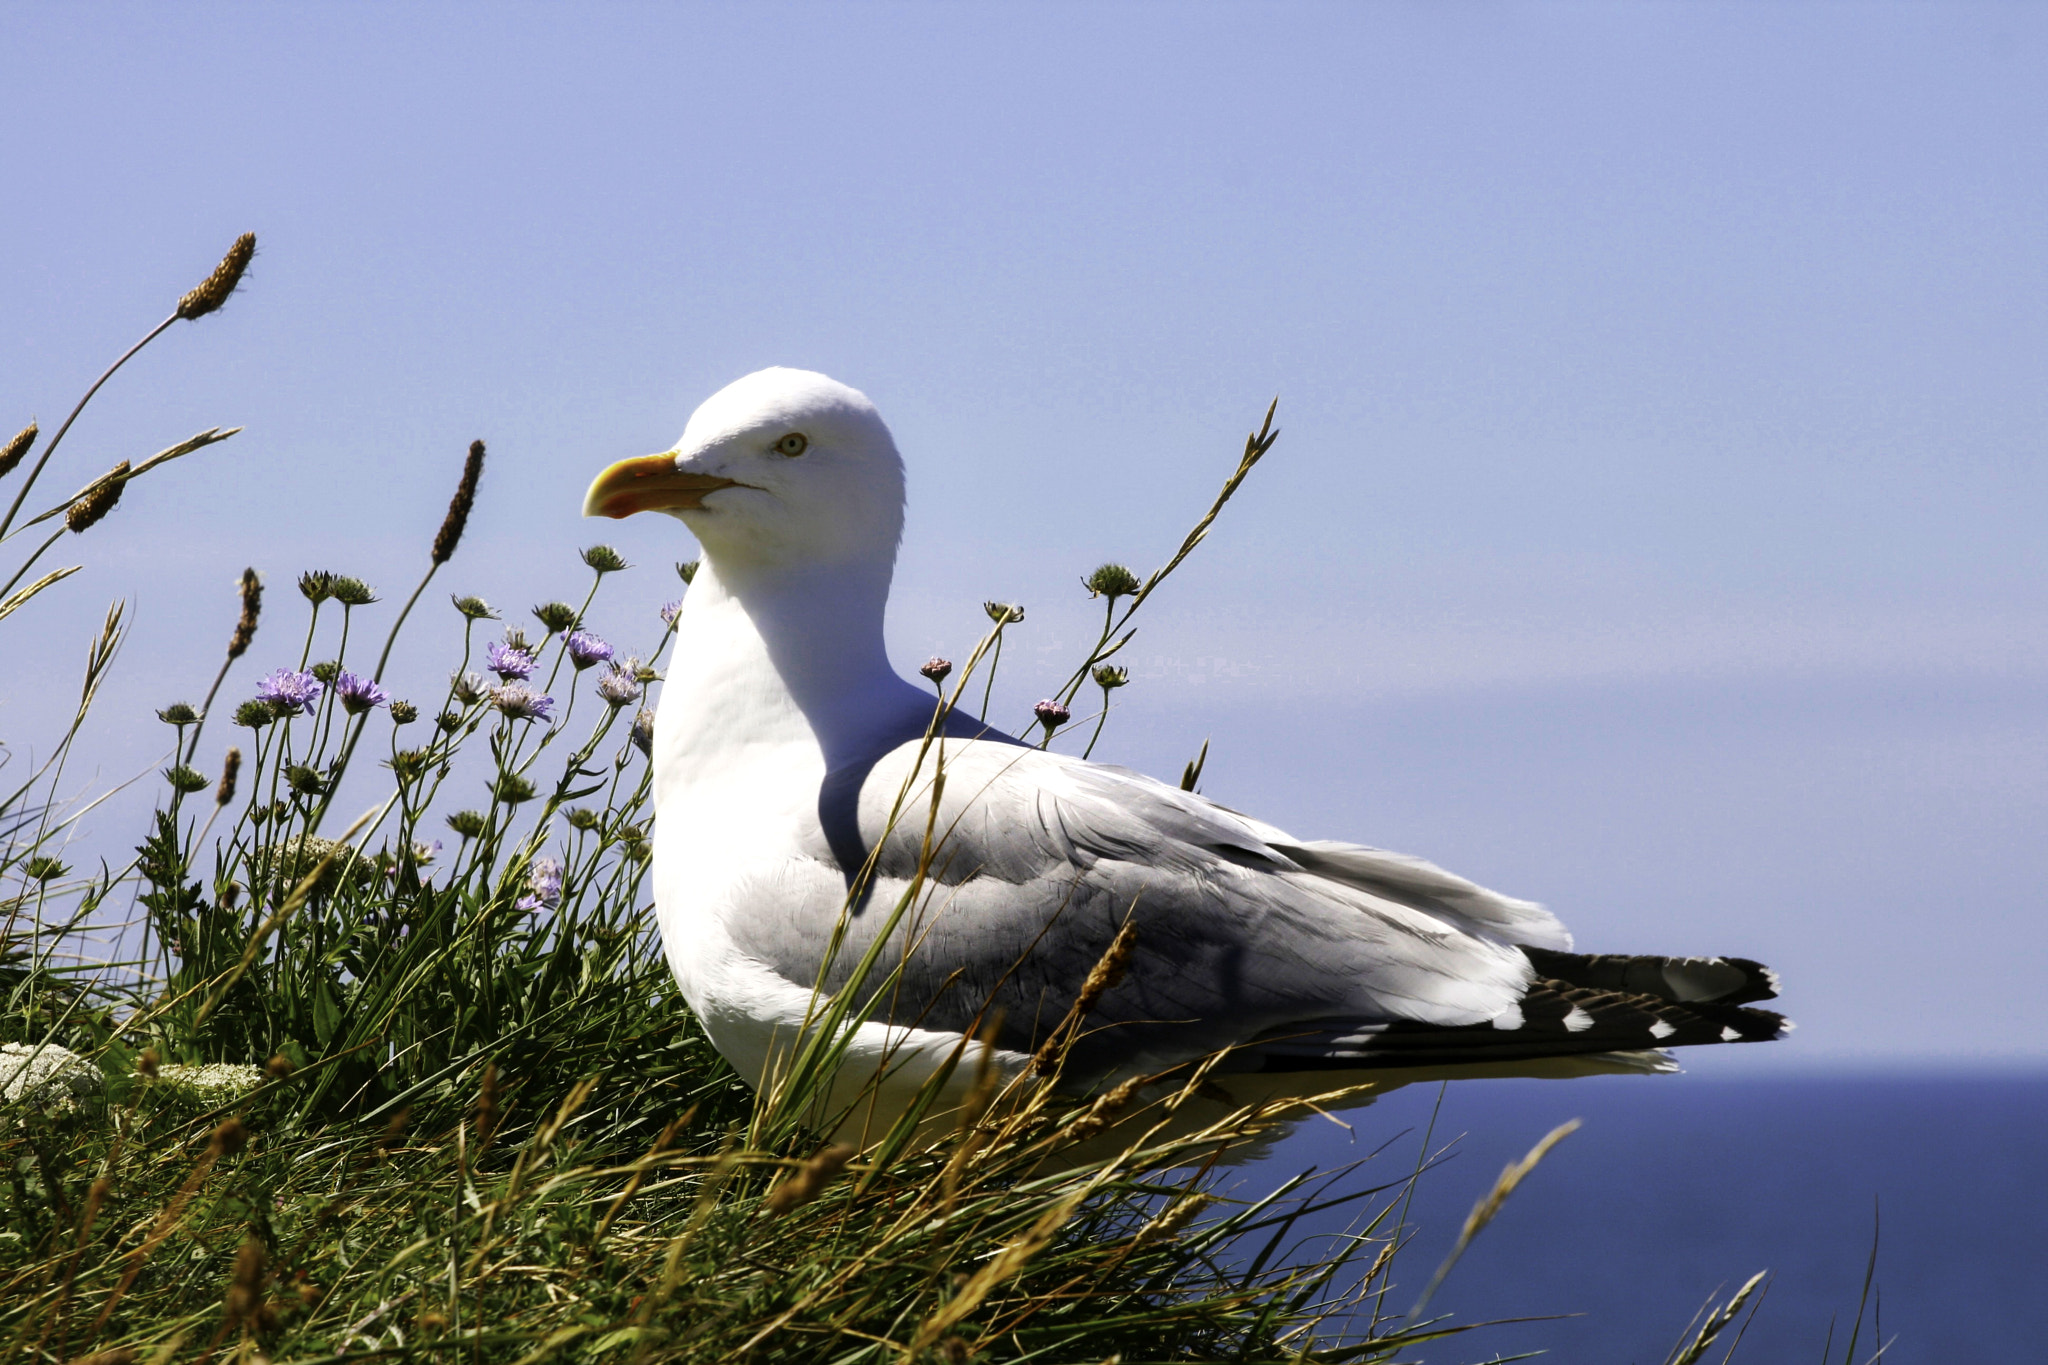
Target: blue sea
x,y
1677,1188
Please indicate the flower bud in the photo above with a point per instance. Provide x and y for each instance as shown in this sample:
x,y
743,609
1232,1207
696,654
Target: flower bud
x,y
326,671
408,763
1003,613
404,713
936,669
305,781
255,714
1051,715
316,585
185,780
687,571
556,616
512,789
213,291
583,818
43,868
604,559
279,1066
97,500
448,722
1111,581
178,713
353,592
643,732
1108,676
467,823
475,608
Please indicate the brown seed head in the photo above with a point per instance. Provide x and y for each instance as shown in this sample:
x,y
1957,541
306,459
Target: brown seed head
x,y
11,454
97,500
279,1066
252,607
120,1355
459,505
1110,969
228,1139
245,1285
394,1130
213,291
487,1110
810,1179
230,769
146,1064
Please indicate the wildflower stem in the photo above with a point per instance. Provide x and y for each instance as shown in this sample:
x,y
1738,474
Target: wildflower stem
x,y
35,472
27,563
403,612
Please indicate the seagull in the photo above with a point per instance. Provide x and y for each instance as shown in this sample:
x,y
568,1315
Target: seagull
x,y
818,818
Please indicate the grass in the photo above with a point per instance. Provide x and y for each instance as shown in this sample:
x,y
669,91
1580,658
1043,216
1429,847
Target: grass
x,y
456,1110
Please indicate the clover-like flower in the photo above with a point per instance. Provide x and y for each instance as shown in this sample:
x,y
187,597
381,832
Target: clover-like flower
x,y
357,693
517,701
618,686
586,649
936,668
1051,715
509,661
289,692
544,880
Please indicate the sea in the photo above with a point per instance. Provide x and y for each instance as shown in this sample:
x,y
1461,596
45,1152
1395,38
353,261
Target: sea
x,y
1675,1190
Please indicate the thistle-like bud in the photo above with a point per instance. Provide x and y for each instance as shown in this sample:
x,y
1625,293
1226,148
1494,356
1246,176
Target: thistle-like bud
x,y
935,669
353,592
1051,715
604,559
404,713
448,722
1109,676
582,817
230,769
254,713
326,671
43,868
475,608
512,789
1003,613
556,616
450,533
252,607
213,291
316,585
178,713
97,500
185,780
467,823
687,570
17,449
1111,581
408,763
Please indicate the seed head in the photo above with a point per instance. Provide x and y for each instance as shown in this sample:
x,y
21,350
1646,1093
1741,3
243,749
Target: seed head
x,y
404,713
1109,677
316,585
17,449
687,571
936,668
97,500
408,763
185,780
229,1138
512,789
583,818
252,607
458,506
146,1063
245,1286
305,781
178,713
353,592
475,608
255,714
1051,714
467,823
279,1066
213,291
604,559
556,616
448,722
43,868
1111,581
326,671
809,1180
230,769
1003,613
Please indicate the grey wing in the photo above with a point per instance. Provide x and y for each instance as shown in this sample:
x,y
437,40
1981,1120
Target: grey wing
x,y
1245,937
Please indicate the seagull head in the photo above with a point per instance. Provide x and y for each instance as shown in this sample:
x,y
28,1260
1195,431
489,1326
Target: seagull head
x,y
783,467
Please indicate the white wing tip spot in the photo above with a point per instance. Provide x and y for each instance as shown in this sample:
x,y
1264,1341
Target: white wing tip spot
x,y
1660,1029
1729,1035
1578,1021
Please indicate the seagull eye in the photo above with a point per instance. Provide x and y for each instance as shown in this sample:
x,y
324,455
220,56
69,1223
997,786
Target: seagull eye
x,y
792,445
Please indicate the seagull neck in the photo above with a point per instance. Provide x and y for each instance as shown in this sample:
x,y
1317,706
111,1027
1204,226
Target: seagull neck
x,y
804,645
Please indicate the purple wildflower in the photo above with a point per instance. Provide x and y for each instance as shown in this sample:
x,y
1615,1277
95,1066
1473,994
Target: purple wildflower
x,y
545,880
1051,714
509,661
618,686
586,649
668,612
358,694
643,732
288,692
520,702
936,668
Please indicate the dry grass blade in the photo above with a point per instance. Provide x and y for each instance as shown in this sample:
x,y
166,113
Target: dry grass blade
x,y
1487,1208
1718,1321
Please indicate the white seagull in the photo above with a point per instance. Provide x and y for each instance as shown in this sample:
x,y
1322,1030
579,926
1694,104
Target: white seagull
x,y
789,756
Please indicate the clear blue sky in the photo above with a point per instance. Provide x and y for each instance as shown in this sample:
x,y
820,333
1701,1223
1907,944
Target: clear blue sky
x,y
1658,526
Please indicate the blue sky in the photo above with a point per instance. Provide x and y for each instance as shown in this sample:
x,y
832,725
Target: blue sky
x,y
1657,525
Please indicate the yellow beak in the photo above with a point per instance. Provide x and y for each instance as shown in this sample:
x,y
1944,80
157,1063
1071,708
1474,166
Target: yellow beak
x,y
649,483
